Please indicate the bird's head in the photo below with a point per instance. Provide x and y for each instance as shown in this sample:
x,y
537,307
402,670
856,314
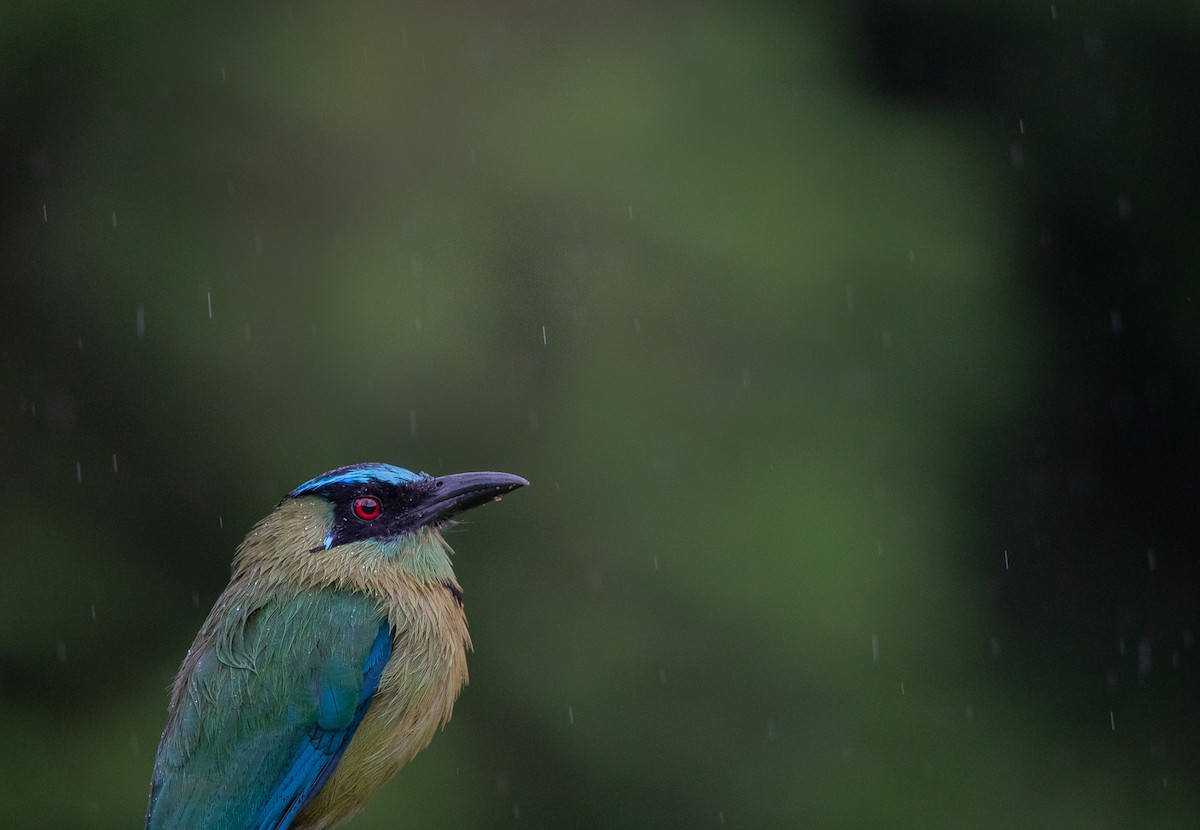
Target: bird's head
x,y
365,515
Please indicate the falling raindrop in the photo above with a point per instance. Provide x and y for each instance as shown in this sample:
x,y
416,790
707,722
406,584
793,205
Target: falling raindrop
x,y
874,648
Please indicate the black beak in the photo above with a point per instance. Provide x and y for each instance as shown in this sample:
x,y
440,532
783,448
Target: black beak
x,y
452,494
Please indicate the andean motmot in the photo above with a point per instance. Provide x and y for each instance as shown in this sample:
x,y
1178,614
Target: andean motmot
x,y
335,652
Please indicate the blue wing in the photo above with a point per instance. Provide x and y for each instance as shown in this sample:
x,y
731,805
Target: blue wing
x,y
317,758
264,710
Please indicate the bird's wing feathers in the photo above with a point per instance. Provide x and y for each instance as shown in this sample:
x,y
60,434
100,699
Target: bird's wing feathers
x,y
275,721
340,709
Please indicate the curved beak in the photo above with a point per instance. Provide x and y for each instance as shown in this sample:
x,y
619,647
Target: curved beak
x,y
452,494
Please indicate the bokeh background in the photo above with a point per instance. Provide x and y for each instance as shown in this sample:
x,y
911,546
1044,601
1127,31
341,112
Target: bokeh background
x,y
851,349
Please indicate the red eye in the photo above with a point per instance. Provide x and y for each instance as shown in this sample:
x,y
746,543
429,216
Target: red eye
x,y
367,508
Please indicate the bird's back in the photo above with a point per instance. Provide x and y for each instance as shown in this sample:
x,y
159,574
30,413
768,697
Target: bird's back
x,y
256,688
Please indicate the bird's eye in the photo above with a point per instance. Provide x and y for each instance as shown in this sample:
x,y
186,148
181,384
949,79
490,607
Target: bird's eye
x,y
367,508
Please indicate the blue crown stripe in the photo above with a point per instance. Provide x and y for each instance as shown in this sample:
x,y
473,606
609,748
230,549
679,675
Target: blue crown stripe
x,y
358,474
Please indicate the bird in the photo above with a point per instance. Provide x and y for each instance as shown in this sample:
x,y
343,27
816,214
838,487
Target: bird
x,y
335,652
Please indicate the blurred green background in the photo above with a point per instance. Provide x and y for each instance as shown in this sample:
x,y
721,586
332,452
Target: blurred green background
x,y
851,350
